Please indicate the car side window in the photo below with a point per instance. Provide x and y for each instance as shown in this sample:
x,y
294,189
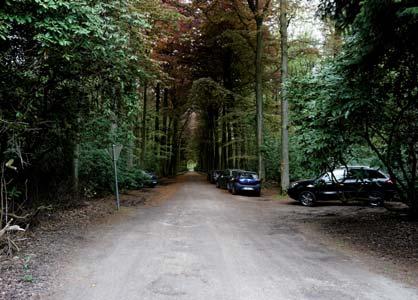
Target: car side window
x,y
338,175
373,174
326,177
356,174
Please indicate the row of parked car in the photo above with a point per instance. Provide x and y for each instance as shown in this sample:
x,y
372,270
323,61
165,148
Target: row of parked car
x,y
236,181
343,183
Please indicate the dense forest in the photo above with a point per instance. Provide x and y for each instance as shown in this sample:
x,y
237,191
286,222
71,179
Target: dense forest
x,y
218,83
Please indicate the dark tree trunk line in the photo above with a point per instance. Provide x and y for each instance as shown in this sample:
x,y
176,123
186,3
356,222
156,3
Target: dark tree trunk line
x,y
259,96
284,174
157,134
144,124
259,13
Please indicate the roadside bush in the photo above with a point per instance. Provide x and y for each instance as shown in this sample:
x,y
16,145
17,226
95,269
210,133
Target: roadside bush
x,y
132,179
97,175
96,171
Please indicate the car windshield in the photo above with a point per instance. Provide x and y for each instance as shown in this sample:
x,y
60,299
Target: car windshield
x,y
248,176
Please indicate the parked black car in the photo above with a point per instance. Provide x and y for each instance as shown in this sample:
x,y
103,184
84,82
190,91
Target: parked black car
x,y
345,183
225,177
150,179
245,181
213,175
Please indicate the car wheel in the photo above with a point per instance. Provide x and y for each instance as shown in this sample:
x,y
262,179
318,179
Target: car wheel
x,y
258,194
396,197
307,198
217,185
228,187
234,190
376,198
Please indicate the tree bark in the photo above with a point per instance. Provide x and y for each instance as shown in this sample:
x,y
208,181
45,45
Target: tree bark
x,y
144,126
164,140
259,95
413,164
259,11
284,174
233,147
224,128
157,123
130,153
174,149
76,163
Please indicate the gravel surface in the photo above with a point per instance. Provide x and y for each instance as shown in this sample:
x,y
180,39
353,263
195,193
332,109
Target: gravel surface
x,y
373,239
204,243
47,248
384,240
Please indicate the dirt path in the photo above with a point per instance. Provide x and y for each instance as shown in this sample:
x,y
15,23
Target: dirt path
x,y
198,242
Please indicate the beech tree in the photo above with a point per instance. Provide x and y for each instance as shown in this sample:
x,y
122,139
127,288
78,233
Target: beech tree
x,y
259,9
363,103
284,174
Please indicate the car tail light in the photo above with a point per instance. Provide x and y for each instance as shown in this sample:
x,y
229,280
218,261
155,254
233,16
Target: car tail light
x,y
390,181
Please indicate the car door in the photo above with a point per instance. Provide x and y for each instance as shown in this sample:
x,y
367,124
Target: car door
x,y
224,178
330,186
355,183
234,175
376,182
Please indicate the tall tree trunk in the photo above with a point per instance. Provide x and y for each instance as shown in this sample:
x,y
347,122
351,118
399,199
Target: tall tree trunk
x,y
284,182
220,131
412,189
224,128
130,153
138,132
76,163
238,148
227,144
157,123
259,10
131,144
144,126
164,140
233,147
246,152
174,149
215,158
259,95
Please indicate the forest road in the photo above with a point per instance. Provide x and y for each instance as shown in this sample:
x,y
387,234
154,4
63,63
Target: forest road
x,y
203,243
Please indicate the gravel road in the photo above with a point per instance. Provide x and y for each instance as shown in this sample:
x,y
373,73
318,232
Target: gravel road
x,y
203,243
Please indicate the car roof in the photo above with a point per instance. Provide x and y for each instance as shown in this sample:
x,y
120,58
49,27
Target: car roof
x,y
357,167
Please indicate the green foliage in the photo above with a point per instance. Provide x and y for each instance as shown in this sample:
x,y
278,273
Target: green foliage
x,y
316,143
364,103
271,152
69,79
208,94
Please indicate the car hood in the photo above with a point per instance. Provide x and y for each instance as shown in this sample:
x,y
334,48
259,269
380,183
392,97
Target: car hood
x,y
304,182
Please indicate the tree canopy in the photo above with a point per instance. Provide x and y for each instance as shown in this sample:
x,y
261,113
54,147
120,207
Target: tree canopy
x,y
173,81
